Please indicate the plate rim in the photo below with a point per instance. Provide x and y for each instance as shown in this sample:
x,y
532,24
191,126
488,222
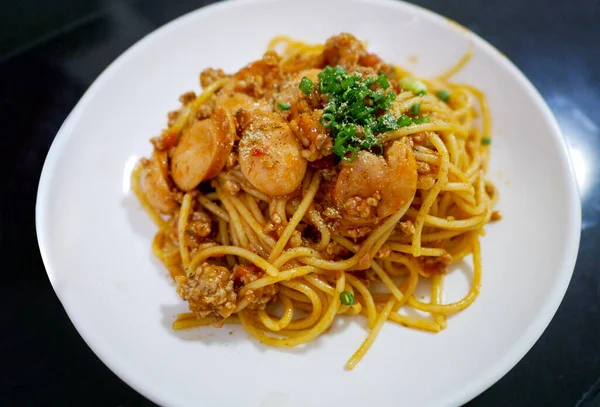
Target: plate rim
x,y
458,397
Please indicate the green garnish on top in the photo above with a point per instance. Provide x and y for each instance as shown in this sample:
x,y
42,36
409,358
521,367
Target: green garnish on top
x,y
415,109
347,298
416,87
356,110
283,106
353,113
486,141
306,85
443,95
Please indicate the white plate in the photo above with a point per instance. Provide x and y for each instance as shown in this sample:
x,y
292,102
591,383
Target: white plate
x,y
95,239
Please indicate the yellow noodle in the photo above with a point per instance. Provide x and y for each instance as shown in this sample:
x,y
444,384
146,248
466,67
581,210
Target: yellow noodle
x,y
360,352
298,215
213,207
137,190
184,213
437,288
219,251
432,194
284,321
315,300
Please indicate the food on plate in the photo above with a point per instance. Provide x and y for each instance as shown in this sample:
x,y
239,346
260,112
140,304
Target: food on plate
x,y
316,182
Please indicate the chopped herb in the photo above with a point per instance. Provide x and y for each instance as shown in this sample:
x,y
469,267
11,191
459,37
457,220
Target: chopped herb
x,y
283,106
344,143
443,95
357,110
306,85
486,141
190,232
327,120
347,298
353,113
416,87
415,109
404,120
386,122
383,81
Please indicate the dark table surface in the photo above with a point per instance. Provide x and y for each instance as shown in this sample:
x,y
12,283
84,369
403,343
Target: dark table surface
x,y
51,51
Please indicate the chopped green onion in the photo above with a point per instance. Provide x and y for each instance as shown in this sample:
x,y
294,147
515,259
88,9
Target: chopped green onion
x,y
404,121
383,81
444,95
420,120
486,141
306,85
347,298
343,143
415,109
327,120
369,81
355,113
283,106
386,122
416,87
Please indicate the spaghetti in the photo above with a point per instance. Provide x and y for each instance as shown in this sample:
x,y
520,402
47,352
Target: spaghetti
x,y
283,203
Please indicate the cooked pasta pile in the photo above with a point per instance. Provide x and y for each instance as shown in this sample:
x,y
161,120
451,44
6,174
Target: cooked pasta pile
x,y
316,182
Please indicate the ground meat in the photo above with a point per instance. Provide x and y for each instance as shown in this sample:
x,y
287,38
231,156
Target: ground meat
x,y
496,215
198,228
187,97
364,72
426,182
431,266
325,163
364,263
420,137
232,160
259,78
407,227
247,273
259,297
231,187
276,219
172,117
165,141
336,250
343,49
423,168
329,174
331,213
312,135
209,291
370,60
210,75
295,239
206,110
352,231
362,208
269,227
384,251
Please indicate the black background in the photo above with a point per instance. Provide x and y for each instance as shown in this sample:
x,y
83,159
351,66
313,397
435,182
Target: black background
x,y
51,51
